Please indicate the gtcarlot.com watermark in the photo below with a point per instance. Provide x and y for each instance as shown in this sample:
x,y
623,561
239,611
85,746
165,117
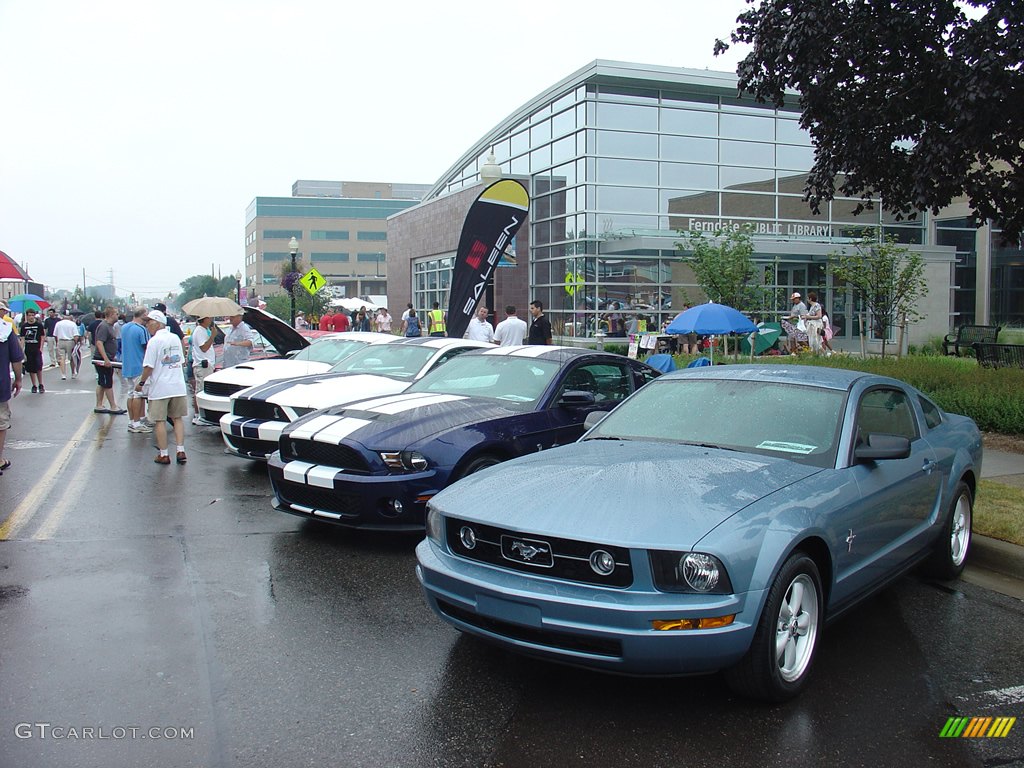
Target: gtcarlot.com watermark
x,y
46,731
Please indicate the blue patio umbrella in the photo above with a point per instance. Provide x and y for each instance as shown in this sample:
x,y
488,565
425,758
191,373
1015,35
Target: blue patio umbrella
x,y
711,320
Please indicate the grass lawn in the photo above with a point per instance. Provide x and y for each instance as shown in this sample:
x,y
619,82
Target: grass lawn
x,y
998,512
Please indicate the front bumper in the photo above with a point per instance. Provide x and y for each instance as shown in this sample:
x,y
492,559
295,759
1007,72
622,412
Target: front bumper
x,y
212,407
583,625
357,501
250,438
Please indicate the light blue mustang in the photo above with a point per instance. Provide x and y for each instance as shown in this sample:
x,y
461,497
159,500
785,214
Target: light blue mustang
x,y
714,520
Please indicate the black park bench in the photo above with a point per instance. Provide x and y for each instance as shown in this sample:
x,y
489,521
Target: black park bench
x,y
999,355
961,343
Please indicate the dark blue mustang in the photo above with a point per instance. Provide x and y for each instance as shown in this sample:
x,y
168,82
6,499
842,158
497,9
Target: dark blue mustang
x,y
375,463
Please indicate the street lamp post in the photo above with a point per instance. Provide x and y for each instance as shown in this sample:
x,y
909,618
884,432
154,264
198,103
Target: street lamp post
x,y
238,287
293,246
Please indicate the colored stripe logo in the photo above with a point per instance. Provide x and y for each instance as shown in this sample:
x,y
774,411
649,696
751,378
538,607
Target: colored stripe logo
x,y
977,727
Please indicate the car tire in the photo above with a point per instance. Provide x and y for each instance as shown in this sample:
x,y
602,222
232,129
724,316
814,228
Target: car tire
x,y
953,545
480,462
777,664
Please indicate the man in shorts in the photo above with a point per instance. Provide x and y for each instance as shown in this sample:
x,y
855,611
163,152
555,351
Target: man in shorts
x,y
11,355
103,355
51,341
134,338
163,378
33,335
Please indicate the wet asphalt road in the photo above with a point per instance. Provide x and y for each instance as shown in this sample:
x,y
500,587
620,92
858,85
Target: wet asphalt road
x,y
138,596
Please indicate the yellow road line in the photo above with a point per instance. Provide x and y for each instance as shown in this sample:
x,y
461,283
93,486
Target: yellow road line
x,y
32,503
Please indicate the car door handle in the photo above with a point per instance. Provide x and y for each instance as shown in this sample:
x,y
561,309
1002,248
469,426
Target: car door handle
x,y
928,466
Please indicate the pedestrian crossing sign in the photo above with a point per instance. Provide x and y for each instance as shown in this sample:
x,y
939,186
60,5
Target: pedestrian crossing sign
x,y
313,281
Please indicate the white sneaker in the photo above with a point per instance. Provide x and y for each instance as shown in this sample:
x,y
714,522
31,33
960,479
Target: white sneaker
x,y
137,428
145,422
198,421
63,377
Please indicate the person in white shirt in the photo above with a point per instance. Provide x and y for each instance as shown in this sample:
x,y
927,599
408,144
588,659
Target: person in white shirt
x,y
204,359
384,321
479,329
66,333
237,342
511,331
164,380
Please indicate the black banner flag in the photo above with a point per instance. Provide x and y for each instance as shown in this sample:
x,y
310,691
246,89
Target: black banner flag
x,y
491,223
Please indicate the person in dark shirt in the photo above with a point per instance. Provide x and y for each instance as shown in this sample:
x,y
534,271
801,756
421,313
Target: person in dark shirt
x,y
33,335
51,341
540,328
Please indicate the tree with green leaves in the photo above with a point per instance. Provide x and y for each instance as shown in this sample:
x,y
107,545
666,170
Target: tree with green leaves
x,y
920,101
887,279
724,267
197,286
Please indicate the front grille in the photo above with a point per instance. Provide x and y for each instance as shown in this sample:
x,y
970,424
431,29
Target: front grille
x,y
568,559
340,456
257,409
318,498
562,640
221,389
251,446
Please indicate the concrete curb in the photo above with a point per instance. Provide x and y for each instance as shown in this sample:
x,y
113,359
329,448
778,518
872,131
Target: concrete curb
x,y
996,556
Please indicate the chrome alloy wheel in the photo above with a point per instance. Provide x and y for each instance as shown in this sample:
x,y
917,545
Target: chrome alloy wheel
x,y
797,628
960,530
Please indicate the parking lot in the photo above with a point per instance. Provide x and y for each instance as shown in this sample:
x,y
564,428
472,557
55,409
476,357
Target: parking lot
x,y
167,616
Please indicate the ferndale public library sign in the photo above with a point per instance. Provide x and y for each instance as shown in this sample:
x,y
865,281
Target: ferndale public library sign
x,y
781,229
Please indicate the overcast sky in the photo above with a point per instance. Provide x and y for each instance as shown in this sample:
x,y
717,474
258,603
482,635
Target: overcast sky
x,y
136,132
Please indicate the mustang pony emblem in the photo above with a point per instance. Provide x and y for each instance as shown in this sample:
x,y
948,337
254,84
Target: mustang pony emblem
x,y
528,551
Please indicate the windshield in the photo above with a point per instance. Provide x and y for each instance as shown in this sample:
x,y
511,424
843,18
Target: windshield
x,y
798,422
329,351
401,361
519,380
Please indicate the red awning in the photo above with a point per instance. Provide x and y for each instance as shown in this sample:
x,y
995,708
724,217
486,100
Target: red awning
x,y
9,270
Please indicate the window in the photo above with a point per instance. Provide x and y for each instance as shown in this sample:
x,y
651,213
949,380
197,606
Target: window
x,y
282,234
328,234
320,257
370,257
887,412
371,236
932,413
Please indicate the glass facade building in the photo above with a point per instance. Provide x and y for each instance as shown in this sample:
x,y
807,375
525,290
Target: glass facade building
x,y
621,160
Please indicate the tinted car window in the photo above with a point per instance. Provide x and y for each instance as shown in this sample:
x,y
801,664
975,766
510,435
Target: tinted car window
x,y
519,380
887,412
609,383
932,413
328,351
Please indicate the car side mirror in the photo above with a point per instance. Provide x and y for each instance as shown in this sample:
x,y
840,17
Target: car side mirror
x,y
879,447
576,398
292,353
594,418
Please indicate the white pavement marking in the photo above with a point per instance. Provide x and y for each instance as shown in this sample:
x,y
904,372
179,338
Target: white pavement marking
x,y
32,503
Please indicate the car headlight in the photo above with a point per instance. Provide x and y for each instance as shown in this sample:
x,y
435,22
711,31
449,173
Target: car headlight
x,y
435,526
406,461
689,572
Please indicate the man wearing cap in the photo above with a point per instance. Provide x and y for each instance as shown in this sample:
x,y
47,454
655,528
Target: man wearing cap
x,y
793,332
172,322
163,373
11,356
237,342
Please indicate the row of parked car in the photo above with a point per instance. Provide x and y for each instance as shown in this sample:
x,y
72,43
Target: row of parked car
x,y
583,508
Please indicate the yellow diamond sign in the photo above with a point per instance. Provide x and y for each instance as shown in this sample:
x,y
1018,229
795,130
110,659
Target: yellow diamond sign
x,y
313,281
